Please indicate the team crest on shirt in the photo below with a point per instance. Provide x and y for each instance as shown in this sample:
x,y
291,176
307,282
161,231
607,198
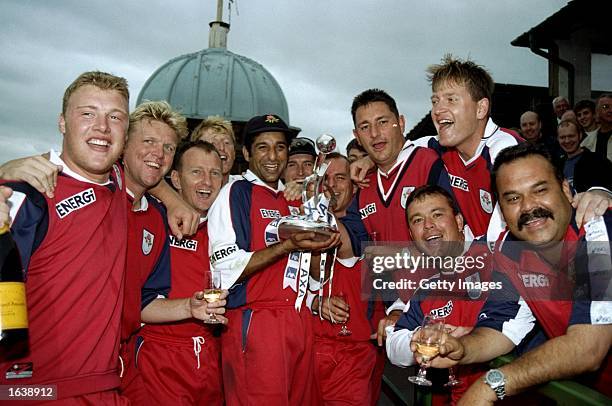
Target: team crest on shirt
x,y
294,211
485,201
147,241
405,193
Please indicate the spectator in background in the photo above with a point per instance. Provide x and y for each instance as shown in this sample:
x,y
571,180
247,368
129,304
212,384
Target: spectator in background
x,y
582,168
601,142
531,126
569,115
531,129
219,132
354,151
585,114
560,106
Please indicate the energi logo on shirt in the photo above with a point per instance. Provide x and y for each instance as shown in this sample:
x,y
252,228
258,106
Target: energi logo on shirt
x,y
75,202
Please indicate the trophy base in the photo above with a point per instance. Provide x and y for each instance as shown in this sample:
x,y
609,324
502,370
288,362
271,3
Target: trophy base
x,y
288,227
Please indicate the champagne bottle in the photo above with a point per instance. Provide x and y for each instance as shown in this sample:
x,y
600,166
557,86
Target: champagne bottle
x,y
13,308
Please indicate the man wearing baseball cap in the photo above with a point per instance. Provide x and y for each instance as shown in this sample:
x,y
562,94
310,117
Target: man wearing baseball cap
x,y
267,341
302,156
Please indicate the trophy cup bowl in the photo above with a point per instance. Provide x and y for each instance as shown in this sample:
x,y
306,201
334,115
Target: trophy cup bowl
x,y
294,224
291,225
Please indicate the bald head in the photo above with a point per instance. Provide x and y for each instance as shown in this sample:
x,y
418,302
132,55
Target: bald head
x,y
531,126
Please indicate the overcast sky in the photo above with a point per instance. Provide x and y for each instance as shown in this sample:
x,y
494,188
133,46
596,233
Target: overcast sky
x,y
322,53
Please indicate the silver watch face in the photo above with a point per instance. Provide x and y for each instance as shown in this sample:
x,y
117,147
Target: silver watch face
x,y
494,377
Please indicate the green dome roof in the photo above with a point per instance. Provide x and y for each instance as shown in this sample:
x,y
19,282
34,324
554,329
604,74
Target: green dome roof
x,y
215,81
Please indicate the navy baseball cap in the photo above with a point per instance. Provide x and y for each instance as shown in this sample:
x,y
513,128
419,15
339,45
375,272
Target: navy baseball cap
x,y
265,123
301,145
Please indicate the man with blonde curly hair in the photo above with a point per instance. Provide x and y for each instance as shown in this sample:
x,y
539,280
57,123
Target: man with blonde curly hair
x,y
220,133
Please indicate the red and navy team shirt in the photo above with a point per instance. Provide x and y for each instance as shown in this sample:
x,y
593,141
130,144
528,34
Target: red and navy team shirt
x,y
148,261
347,279
538,302
236,227
471,179
73,249
381,207
190,273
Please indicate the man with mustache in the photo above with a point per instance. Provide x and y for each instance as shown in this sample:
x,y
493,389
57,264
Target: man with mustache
x,y
540,277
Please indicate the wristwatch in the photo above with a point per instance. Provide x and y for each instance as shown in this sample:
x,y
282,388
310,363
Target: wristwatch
x,y
497,381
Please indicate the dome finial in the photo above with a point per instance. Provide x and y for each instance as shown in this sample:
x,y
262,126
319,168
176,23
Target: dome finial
x,y
217,38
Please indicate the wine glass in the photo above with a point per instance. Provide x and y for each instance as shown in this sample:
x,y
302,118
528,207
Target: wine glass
x,y
213,294
428,346
452,379
343,331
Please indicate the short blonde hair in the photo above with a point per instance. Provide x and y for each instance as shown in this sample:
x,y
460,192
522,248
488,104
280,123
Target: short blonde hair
x,y
160,111
101,80
216,123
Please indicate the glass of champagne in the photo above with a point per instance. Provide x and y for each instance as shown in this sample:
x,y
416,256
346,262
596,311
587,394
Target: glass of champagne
x,y
452,379
343,331
213,294
428,346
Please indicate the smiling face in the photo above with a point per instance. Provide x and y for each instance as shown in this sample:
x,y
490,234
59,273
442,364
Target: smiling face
x,y
148,154
586,119
434,225
299,166
535,205
224,144
338,181
459,120
530,126
268,157
94,127
569,138
380,133
198,178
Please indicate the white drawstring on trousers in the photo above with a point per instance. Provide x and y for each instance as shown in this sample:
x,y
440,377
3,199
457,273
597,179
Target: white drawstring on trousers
x,y
197,347
122,367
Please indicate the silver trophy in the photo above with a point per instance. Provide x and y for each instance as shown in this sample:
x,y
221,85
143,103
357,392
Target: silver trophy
x,y
308,222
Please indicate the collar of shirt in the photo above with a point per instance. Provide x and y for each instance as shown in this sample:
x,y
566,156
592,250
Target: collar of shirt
x,y
144,203
404,154
55,159
490,129
251,177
